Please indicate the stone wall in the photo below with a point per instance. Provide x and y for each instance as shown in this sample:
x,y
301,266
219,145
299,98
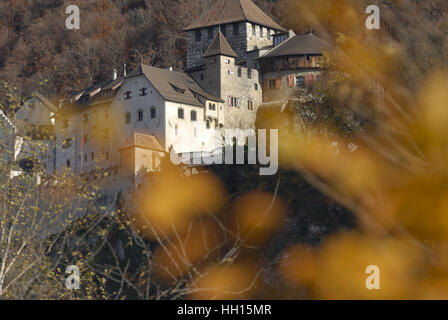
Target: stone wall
x,y
255,40
240,87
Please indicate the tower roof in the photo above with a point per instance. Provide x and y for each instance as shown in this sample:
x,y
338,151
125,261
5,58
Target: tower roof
x,y
220,46
230,11
142,140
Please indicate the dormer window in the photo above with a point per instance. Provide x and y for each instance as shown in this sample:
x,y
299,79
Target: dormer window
x,y
84,99
127,95
178,90
143,92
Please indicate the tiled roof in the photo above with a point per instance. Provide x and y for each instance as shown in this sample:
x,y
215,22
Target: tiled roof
x,y
221,46
174,86
229,11
298,45
142,140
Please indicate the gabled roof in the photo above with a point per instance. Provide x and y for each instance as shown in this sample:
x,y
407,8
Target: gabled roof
x,y
298,45
220,46
229,11
142,140
72,102
174,86
46,102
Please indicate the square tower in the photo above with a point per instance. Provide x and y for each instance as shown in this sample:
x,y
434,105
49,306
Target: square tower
x,y
245,26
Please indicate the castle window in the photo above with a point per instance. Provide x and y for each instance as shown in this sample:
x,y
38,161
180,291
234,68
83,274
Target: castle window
x,y
198,35
256,86
140,115
233,102
128,117
127,95
250,105
68,163
193,116
180,113
212,106
153,112
207,124
235,29
300,82
210,33
239,72
67,143
143,92
227,61
254,30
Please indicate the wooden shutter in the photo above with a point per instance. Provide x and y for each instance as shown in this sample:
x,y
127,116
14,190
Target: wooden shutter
x,y
291,81
278,83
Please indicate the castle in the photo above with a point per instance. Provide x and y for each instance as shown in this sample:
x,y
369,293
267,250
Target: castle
x,y
237,59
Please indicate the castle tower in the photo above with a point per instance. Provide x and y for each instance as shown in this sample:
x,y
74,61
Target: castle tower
x,y
222,50
243,23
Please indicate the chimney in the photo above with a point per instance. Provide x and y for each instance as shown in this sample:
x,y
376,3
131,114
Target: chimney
x,y
124,70
114,74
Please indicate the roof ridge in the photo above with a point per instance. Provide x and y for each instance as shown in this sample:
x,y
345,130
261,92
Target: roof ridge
x,y
230,11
